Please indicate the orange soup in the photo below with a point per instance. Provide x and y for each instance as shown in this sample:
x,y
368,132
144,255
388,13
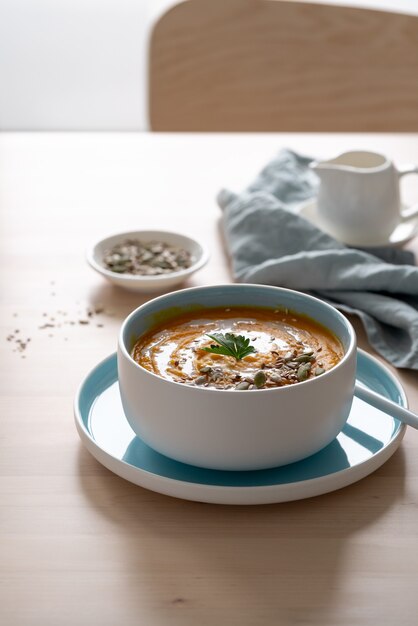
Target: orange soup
x,y
239,348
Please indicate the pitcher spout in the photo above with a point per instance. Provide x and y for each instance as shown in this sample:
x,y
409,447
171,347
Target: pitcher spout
x,y
325,169
354,161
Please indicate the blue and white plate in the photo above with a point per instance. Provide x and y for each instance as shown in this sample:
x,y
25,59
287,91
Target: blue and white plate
x,y
368,440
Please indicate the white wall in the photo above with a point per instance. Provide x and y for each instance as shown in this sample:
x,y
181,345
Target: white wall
x,y
72,64
400,6
81,64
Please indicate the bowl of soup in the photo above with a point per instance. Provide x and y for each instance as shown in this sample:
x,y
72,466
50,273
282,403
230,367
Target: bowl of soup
x,y
236,377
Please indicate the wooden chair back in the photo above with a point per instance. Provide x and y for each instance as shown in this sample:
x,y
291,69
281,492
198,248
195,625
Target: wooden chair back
x,y
268,65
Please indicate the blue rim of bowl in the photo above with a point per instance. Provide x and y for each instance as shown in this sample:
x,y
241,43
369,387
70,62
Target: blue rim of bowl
x,y
352,347
197,265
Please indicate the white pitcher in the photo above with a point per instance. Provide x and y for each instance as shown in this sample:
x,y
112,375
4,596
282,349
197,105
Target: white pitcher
x,y
359,198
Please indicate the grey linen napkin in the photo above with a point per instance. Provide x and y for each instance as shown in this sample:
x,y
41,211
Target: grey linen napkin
x,y
271,244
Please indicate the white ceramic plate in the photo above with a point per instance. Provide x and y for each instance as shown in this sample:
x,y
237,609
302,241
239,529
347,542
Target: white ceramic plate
x,y
401,234
148,284
366,442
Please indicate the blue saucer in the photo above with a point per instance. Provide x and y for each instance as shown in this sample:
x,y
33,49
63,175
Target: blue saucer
x,y
369,438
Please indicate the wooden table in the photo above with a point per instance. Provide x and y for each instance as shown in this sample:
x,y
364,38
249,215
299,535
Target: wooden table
x,y
80,545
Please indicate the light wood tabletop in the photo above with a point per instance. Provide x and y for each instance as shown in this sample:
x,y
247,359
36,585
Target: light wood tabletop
x,y
78,544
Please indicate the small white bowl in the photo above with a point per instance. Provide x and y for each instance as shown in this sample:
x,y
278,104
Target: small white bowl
x,y
135,282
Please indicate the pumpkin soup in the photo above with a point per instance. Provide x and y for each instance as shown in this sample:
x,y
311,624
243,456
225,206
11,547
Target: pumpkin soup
x,y
239,348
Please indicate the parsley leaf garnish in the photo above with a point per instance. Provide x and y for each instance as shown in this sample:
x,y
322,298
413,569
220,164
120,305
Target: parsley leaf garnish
x,y
230,345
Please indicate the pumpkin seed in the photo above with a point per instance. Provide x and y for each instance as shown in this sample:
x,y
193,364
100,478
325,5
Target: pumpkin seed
x,y
303,358
319,371
303,371
242,386
260,379
200,380
276,378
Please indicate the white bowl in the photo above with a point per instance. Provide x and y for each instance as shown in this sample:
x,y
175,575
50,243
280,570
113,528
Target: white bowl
x,y
133,282
230,429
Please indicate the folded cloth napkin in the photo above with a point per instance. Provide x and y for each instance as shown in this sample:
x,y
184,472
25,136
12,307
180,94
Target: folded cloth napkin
x,y
271,244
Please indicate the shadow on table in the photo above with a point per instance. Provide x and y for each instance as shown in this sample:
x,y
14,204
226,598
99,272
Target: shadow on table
x,y
119,302
207,564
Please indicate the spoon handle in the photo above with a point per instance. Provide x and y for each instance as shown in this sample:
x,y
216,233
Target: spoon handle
x,y
387,406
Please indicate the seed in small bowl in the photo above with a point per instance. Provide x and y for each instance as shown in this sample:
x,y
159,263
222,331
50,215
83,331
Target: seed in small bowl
x,y
147,260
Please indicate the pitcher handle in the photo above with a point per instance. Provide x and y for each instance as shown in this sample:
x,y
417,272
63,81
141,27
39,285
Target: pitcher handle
x,y
411,211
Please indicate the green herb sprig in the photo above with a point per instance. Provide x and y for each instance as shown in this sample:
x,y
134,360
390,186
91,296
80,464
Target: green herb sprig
x,y
229,344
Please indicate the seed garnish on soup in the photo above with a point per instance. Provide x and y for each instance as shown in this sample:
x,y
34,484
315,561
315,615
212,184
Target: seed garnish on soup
x,y
239,348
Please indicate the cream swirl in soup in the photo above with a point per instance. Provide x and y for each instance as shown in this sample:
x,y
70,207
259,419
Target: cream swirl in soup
x,y
283,348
